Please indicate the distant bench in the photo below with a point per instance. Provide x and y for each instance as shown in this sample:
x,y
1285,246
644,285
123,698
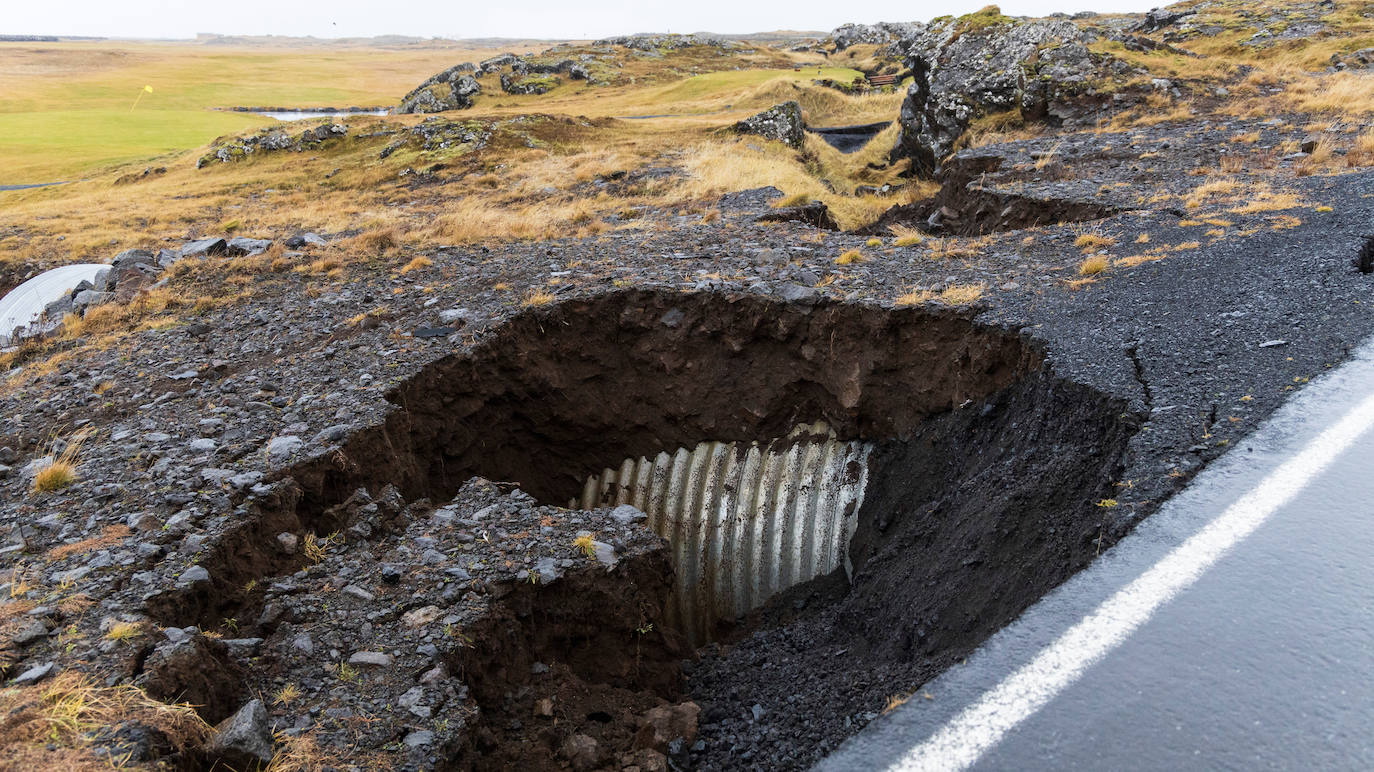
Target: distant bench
x,y
882,80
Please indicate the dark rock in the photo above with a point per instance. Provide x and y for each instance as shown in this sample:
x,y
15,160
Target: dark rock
x,y
243,740
434,332
452,89
581,752
495,63
1159,18
36,673
816,214
782,123
31,633
1041,68
880,34
1364,261
131,257
211,247
249,247
302,240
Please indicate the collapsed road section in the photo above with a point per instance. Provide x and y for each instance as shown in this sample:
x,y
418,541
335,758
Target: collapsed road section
x,y
813,506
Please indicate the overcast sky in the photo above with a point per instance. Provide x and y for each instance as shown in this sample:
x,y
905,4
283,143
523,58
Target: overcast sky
x,y
518,18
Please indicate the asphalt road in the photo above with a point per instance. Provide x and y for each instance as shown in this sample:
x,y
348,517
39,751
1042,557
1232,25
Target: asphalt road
x,y
1234,629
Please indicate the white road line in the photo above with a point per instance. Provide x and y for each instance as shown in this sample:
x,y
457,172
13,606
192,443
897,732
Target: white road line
x,y
961,742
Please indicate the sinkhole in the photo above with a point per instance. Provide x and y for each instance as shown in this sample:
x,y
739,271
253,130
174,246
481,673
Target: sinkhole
x,y
763,439
849,139
882,488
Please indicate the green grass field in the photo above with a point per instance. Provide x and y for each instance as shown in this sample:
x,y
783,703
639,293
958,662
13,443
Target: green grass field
x,y
64,144
65,107
71,110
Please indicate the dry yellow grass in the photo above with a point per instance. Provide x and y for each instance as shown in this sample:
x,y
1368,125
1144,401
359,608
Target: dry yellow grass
x,y
906,236
1093,265
53,725
586,544
416,264
961,294
110,536
1134,260
538,298
1211,189
1092,242
124,632
849,257
60,472
1269,201
953,295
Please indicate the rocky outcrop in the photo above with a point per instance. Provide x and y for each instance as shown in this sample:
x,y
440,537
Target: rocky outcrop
x,y
973,66
533,83
270,139
882,33
782,123
664,42
495,64
452,89
1159,18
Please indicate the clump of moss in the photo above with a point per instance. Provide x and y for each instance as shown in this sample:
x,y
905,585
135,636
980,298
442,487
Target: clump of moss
x,y
988,16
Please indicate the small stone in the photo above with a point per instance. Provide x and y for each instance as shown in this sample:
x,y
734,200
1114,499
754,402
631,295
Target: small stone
x,y
194,574
544,707
421,616
203,445
36,673
281,448
358,592
626,514
31,633
334,433
581,751
1273,343
373,658
418,739
287,542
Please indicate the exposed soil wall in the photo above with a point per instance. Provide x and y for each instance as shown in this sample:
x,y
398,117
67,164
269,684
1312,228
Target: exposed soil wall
x,y
965,524
563,393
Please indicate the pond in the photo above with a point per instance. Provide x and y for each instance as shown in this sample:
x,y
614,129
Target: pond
x,y
302,115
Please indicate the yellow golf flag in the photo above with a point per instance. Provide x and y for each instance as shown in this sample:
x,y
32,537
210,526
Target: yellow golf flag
x,y
146,90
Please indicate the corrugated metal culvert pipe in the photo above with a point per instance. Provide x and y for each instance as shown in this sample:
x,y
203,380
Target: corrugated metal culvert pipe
x,y
745,521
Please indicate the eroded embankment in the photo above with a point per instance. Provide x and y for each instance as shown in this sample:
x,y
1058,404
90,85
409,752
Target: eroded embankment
x,y
983,470
964,206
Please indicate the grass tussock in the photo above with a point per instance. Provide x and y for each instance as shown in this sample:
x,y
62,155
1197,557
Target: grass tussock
x,y
416,264
1269,201
53,725
1093,265
537,298
376,242
953,295
906,236
1093,242
60,472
